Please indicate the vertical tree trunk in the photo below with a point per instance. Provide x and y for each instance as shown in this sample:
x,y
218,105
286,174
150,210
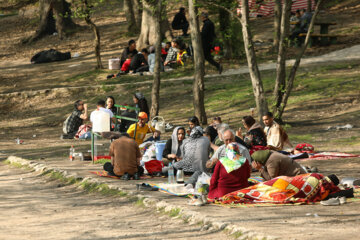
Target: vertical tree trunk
x,y
50,11
258,88
130,17
277,24
137,10
155,92
199,62
309,4
224,19
281,58
147,34
96,32
291,78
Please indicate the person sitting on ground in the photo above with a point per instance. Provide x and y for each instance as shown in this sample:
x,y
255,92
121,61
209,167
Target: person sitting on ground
x,y
221,128
75,120
139,62
141,102
180,22
110,104
100,106
276,136
154,137
151,60
141,128
193,122
131,48
228,136
125,159
255,135
231,171
211,130
164,50
182,55
172,53
172,150
272,164
125,68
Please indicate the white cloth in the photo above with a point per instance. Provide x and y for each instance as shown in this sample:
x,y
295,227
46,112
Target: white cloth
x,y
111,114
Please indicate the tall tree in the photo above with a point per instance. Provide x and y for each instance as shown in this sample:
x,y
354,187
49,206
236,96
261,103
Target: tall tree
x,y
155,92
277,24
55,16
199,61
147,33
256,81
130,17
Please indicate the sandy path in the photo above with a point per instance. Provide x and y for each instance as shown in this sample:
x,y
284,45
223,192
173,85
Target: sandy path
x,y
34,207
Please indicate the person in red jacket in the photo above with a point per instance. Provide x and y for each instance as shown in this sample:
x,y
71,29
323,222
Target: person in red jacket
x,y
231,172
126,66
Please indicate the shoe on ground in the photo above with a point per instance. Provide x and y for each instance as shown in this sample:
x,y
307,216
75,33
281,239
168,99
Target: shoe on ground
x,y
125,177
342,200
330,202
197,201
136,176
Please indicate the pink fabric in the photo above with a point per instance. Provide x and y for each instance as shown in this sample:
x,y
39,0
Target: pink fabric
x,y
222,183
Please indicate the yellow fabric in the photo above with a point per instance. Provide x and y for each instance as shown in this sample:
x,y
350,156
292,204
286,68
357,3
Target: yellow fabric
x,y
179,58
140,132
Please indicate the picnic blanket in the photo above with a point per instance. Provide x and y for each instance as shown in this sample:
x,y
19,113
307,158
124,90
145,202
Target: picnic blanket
x,y
103,173
180,191
301,189
330,155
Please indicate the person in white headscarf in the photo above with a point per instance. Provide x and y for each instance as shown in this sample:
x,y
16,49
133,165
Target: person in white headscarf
x,y
172,150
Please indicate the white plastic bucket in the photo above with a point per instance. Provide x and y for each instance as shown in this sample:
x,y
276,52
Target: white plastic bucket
x,y
159,123
114,63
100,121
159,149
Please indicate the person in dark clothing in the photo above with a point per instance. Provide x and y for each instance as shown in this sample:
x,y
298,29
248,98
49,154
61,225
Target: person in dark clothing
x,y
207,38
172,150
131,48
75,120
303,26
139,62
141,102
180,22
255,135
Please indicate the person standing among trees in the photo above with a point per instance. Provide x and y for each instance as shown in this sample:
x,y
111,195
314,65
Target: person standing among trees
x,y
180,22
207,37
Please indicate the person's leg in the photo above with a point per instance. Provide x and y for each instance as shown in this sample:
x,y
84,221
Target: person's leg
x,y
143,69
185,27
109,168
208,57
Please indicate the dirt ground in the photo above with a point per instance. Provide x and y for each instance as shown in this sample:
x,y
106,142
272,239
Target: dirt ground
x,y
34,207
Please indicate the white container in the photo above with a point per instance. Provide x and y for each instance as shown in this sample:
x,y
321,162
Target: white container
x,y
159,123
100,121
114,63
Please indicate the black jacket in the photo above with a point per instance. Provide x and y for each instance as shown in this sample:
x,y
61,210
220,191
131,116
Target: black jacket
x,y
208,32
125,54
179,19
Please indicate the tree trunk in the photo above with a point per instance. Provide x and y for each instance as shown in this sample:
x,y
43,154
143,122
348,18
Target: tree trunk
x,y
155,92
281,59
199,62
258,88
224,19
137,10
309,4
291,78
130,17
96,32
147,35
52,11
277,24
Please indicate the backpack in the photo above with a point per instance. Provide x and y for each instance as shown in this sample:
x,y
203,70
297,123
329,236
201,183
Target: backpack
x,y
305,148
65,124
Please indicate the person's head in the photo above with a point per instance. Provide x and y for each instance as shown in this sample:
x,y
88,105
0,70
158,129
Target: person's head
x,y
79,105
268,119
100,103
143,117
110,101
297,13
228,136
204,16
248,121
196,132
152,49
130,56
182,47
144,52
132,44
302,11
261,156
221,128
138,96
216,122
175,43
182,10
193,122
167,45
180,134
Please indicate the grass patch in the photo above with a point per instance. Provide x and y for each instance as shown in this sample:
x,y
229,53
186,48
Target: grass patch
x,y
84,76
237,234
301,138
17,165
140,202
102,161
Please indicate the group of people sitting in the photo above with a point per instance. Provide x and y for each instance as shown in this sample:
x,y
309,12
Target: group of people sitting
x,y
218,150
299,23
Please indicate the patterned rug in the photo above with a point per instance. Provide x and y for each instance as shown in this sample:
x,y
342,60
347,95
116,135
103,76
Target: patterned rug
x,y
328,156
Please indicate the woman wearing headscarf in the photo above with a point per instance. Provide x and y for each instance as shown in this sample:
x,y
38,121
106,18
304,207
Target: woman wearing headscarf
x,y
172,150
273,164
195,152
140,101
231,173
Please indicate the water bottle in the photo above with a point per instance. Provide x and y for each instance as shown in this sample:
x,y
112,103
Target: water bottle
x,y
71,153
171,178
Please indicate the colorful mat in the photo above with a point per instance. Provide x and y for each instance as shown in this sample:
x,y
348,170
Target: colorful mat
x,y
328,156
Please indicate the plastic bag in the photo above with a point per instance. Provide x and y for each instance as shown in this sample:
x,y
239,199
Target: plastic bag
x,y
202,184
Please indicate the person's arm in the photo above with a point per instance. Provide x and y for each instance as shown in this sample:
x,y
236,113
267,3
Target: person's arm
x,y
167,149
84,116
131,130
138,154
239,134
111,153
273,168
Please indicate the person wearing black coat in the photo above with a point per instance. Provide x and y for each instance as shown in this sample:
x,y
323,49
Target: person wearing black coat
x,y
207,38
180,22
131,48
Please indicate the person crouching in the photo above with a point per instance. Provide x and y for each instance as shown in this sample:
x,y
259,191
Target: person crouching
x,y
125,159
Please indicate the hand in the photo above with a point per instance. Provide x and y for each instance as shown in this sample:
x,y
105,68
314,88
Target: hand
x,y
166,63
178,159
173,156
85,105
239,132
256,165
188,132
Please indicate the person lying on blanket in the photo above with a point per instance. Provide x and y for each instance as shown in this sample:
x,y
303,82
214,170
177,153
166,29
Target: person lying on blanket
x,y
276,136
272,164
231,171
125,159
